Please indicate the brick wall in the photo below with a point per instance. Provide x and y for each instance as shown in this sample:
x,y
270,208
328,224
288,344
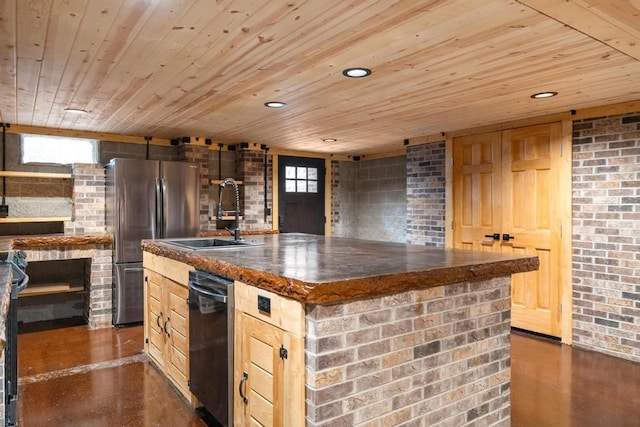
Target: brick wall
x,y
88,200
426,186
200,154
436,357
98,297
606,235
251,171
370,198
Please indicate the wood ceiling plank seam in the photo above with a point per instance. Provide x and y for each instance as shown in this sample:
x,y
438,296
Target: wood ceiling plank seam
x,y
127,24
95,21
592,22
169,73
183,110
8,62
30,51
61,32
207,79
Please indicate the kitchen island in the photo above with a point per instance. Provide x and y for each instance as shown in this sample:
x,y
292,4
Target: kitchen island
x,y
391,333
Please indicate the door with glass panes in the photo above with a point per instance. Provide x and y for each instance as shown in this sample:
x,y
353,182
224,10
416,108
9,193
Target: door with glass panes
x,y
301,195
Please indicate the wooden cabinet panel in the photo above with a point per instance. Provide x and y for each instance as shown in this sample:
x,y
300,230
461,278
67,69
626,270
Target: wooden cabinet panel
x,y
166,323
269,360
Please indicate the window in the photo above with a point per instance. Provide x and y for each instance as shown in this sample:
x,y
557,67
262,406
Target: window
x,y
58,150
301,180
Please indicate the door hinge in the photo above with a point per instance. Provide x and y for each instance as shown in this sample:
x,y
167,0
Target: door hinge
x,y
561,231
284,354
561,151
146,340
453,225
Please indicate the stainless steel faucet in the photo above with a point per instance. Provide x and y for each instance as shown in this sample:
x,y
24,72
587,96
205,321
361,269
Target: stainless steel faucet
x,y
236,226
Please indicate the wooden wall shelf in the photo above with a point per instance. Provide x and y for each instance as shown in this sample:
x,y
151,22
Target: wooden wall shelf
x,y
14,174
224,218
40,219
49,289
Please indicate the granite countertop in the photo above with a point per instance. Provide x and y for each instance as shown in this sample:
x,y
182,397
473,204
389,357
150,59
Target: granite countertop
x,y
321,270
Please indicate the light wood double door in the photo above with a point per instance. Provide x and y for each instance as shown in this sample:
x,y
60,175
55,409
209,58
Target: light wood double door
x,y
512,194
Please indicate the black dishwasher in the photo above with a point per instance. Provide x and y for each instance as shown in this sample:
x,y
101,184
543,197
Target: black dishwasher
x,y
211,343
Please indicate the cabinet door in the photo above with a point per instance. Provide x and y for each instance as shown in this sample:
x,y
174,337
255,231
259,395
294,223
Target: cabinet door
x,y
258,373
176,329
154,317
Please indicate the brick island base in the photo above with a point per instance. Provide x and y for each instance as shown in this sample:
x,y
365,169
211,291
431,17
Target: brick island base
x,y
436,357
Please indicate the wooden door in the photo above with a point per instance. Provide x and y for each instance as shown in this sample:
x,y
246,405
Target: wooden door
x,y
477,171
301,195
509,183
259,375
531,200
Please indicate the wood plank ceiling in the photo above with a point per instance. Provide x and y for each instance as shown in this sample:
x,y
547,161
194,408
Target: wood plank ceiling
x,y
171,68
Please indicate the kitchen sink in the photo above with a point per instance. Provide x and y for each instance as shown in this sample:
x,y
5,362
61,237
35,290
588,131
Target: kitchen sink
x,y
211,243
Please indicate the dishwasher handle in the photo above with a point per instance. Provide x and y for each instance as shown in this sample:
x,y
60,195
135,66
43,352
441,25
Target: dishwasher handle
x,y
208,292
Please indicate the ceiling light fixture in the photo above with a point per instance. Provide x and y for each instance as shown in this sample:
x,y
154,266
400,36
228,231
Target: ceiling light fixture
x,y
543,95
75,110
356,72
275,104
330,140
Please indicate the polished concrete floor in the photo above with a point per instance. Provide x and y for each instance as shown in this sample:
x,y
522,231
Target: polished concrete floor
x,y
79,377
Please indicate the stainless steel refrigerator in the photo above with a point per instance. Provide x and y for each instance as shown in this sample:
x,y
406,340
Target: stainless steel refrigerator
x,y
146,199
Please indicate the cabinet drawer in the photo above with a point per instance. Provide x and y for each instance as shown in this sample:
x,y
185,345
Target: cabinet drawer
x,y
285,313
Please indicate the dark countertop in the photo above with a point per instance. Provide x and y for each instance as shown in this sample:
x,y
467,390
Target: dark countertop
x,y
320,270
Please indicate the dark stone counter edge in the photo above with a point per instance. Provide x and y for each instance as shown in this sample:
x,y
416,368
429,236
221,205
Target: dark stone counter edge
x,y
350,289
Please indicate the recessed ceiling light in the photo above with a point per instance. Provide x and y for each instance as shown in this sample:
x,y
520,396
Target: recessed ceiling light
x,y
275,104
357,72
75,110
329,140
543,95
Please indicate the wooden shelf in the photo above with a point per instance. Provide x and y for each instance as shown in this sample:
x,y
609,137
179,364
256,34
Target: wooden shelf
x,y
220,181
15,174
40,219
49,289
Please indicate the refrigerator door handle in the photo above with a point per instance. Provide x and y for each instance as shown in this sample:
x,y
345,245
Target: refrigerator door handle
x,y
157,233
165,207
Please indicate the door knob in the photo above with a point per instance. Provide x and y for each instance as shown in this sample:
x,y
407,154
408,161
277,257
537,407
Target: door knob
x,y
494,236
507,237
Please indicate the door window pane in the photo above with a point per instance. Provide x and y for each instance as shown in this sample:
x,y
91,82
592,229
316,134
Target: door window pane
x,y
290,172
312,173
312,186
302,173
302,186
290,186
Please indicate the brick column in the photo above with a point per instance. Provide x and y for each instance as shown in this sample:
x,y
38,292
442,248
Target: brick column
x,y
87,200
250,168
426,187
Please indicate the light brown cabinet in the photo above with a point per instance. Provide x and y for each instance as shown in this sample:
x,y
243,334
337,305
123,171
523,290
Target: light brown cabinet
x,y
166,322
269,359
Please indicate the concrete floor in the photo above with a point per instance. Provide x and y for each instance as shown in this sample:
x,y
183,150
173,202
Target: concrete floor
x,y
79,377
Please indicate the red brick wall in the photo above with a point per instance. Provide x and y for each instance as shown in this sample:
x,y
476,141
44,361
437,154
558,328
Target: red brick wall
x,y
606,235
